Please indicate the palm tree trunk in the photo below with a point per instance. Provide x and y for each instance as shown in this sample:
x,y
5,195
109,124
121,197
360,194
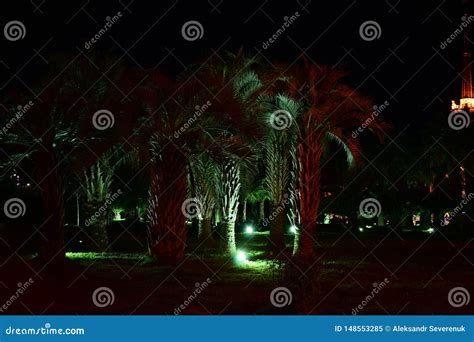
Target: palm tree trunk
x,y
97,227
205,229
230,246
276,243
167,224
244,211
230,183
309,154
262,211
52,195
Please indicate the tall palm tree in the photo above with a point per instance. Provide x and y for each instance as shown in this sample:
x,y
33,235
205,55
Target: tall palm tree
x,y
331,111
280,141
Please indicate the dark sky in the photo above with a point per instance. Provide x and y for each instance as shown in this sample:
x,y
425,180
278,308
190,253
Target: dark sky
x,y
404,66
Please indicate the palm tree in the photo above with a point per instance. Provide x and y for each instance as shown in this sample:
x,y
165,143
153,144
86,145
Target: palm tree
x,y
204,179
258,195
97,182
280,142
176,134
331,110
97,187
60,133
229,193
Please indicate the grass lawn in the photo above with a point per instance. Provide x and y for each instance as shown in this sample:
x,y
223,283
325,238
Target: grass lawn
x,y
420,271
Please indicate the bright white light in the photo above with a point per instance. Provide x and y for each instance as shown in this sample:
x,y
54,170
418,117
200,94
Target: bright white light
x,y
249,230
293,229
430,230
361,229
241,256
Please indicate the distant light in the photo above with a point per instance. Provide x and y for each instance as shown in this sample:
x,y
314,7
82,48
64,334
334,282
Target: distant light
x,y
249,230
80,241
293,229
241,256
368,226
361,229
430,230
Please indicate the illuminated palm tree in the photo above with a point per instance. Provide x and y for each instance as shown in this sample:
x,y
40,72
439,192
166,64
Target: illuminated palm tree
x,y
281,140
177,134
97,187
331,110
205,180
258,195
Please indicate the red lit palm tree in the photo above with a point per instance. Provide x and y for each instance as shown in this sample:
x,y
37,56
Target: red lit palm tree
x,y
331,111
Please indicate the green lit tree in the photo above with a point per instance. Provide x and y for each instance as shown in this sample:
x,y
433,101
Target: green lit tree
x,y
258,195
97,188
205,180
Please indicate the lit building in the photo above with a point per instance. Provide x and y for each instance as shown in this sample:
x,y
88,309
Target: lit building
x,y
467,99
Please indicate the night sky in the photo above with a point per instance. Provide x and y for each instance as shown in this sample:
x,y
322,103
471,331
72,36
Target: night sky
x,y
404,66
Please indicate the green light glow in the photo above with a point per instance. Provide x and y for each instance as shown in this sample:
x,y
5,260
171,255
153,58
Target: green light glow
x,y
361,229
241,256
105,256
430,230
118,214
293,229
249,230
